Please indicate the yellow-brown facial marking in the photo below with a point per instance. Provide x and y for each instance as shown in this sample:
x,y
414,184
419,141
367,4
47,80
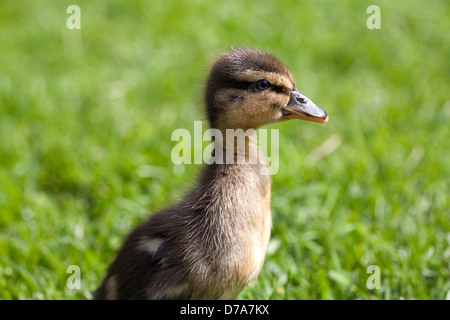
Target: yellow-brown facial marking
x,y
257,100
232,97
248,88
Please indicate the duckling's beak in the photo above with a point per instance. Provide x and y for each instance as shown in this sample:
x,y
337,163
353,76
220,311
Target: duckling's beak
x,y
301,107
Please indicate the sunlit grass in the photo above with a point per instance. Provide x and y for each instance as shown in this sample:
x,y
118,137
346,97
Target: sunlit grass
x,y
86,118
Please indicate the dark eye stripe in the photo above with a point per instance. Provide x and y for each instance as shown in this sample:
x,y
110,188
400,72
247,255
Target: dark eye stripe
x,y
280,89
235,84
244,85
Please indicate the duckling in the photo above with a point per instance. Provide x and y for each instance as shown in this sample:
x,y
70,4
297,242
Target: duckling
x,y
213,242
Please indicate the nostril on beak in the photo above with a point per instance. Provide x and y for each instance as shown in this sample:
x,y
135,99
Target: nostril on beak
x,y
301,100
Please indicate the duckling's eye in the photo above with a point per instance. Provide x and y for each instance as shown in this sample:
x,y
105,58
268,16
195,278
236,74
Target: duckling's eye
x,y
262,84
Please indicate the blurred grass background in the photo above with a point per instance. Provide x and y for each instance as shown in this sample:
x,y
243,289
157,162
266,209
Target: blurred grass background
x,y
86,118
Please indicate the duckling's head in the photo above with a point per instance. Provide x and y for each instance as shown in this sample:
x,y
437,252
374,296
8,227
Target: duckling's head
x,y
248,88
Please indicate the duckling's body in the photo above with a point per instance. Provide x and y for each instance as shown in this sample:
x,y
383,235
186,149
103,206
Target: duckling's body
x,y
211,244
207,247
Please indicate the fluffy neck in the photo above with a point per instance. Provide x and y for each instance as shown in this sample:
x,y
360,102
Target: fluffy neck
x,y
236,146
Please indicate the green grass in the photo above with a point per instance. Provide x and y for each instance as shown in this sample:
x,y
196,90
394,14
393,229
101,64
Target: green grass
x,y
86,118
